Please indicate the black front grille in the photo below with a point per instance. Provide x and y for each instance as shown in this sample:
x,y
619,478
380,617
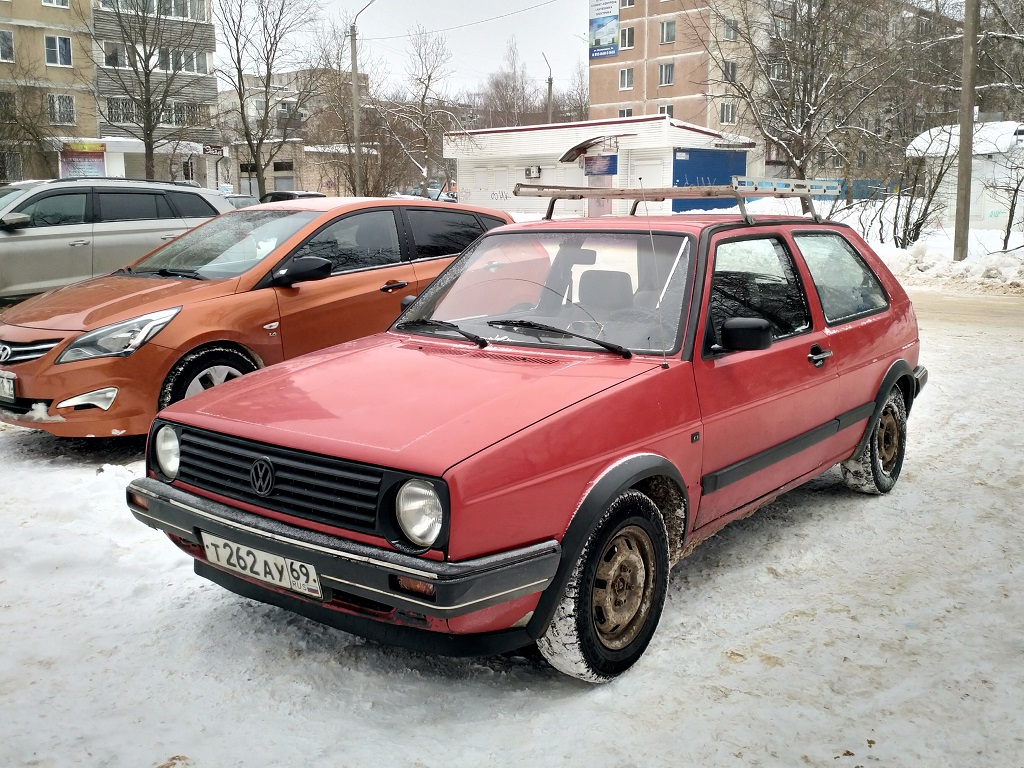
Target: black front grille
x,y
23,405
307,485
22,352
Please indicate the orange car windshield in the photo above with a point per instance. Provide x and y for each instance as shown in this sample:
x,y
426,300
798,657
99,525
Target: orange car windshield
x,y
228,245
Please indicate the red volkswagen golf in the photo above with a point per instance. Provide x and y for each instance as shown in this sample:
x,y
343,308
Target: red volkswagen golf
x,y
560,417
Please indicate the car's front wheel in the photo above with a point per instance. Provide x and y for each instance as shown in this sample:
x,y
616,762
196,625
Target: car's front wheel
x,y
877,467
201,370
615,594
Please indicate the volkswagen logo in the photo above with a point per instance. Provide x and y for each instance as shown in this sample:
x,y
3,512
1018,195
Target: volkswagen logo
x,y
5,353
262,476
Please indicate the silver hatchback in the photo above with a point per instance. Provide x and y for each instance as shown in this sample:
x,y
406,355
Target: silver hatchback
x,y
57,232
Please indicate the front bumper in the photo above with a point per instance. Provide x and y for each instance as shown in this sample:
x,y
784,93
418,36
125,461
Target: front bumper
x,y
370,573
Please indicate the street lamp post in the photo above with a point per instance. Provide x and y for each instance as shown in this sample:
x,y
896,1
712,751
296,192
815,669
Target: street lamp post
x,y
357,149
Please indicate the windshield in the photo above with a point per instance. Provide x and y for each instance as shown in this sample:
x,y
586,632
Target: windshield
x,y
9,193
228,245
603,289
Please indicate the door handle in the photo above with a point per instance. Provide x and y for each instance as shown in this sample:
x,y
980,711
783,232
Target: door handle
x,y
818,356
169,237
394,286
78,243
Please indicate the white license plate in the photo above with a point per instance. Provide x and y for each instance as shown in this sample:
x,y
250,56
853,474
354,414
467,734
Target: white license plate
x,y
7,388
273,569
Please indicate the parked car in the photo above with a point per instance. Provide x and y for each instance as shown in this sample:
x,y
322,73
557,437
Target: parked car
x,y
248,289
559,418
288,194
241,201
57,232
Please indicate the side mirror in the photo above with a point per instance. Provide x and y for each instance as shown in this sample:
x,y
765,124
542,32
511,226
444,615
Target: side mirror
x,y
302,269
407,302
15,220
746,333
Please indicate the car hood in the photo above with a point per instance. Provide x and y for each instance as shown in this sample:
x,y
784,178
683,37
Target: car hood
x,y
102,300
410,404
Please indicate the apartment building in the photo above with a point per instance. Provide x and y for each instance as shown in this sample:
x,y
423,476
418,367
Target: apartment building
x,y
46,89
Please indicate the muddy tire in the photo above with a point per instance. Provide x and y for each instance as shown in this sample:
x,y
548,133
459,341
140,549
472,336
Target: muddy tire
x,y
201,370
615,594
877,468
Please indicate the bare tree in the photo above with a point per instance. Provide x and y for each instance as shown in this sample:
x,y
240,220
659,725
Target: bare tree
x,y
25,126
150,58
275,76
1007,186
510,96
573,104
1001,55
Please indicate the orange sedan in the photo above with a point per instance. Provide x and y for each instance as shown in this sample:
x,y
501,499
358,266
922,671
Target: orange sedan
x,y
245,290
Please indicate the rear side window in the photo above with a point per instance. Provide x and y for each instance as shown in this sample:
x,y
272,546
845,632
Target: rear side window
x,y
133,206
442,233
192,206
490,222
56,210
846,285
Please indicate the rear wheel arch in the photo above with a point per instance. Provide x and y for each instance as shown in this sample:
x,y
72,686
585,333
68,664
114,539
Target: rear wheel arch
x,y
652,475
900,375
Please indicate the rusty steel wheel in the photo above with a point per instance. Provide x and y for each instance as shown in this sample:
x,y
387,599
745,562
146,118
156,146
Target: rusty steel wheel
x,y
624,587
877,468
612,602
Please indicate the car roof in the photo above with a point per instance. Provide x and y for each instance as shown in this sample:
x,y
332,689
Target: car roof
x,y
339,204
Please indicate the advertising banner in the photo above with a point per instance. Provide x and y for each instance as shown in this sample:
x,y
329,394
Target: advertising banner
x,y
604,28
82,159
601,165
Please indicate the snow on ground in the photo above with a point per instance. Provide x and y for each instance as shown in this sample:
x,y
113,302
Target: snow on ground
x,y
829,629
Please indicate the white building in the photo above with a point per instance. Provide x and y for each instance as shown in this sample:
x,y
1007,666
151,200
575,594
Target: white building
x,y
652,151
997,168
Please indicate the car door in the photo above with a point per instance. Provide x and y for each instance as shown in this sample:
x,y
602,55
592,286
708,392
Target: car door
x,y
54,249
438,235
364,292
765,412
129,224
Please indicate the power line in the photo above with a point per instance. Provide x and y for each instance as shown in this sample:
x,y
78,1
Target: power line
x,y
470,24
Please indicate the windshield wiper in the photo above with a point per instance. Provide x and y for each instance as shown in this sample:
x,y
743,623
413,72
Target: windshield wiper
x,y
167,272
479,340
124,271
531,325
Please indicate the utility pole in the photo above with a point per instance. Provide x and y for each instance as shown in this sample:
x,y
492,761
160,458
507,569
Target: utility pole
x,y
357,149
550,84
965,156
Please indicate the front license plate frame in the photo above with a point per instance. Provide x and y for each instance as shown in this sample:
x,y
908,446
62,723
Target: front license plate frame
x,y
293,575
7,387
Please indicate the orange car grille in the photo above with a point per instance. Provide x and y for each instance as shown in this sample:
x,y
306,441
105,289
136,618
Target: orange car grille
x,y
307,485
12,352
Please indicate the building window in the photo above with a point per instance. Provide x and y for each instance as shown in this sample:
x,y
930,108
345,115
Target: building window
x,y
732,29
727,113
182,9
729,71
666,74
121,110
284,165
6,45
665,109
626,37
8,107
62,109
115,55
668,32
779,71
627,112
862,158
626,3
10,166
625,79
58,50
186,61
56,3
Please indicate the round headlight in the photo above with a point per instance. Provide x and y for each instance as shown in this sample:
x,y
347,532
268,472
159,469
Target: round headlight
x,y
419,512
167,450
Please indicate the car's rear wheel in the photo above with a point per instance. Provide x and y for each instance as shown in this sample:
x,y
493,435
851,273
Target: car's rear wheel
x,y
614,598
202,370
877,467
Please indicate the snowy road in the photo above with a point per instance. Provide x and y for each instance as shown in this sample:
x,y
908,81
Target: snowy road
x,y
830,629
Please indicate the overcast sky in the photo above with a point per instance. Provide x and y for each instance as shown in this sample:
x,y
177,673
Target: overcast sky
x,y
477,32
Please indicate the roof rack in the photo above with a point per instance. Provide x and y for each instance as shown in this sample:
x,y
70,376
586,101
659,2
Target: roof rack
x,y
124,178
741,188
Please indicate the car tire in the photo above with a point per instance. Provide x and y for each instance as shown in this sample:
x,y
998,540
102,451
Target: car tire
x,y
201,370
877,467
612,603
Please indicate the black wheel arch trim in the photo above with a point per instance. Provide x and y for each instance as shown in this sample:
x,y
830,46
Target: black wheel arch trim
x,y
910,381
617,479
